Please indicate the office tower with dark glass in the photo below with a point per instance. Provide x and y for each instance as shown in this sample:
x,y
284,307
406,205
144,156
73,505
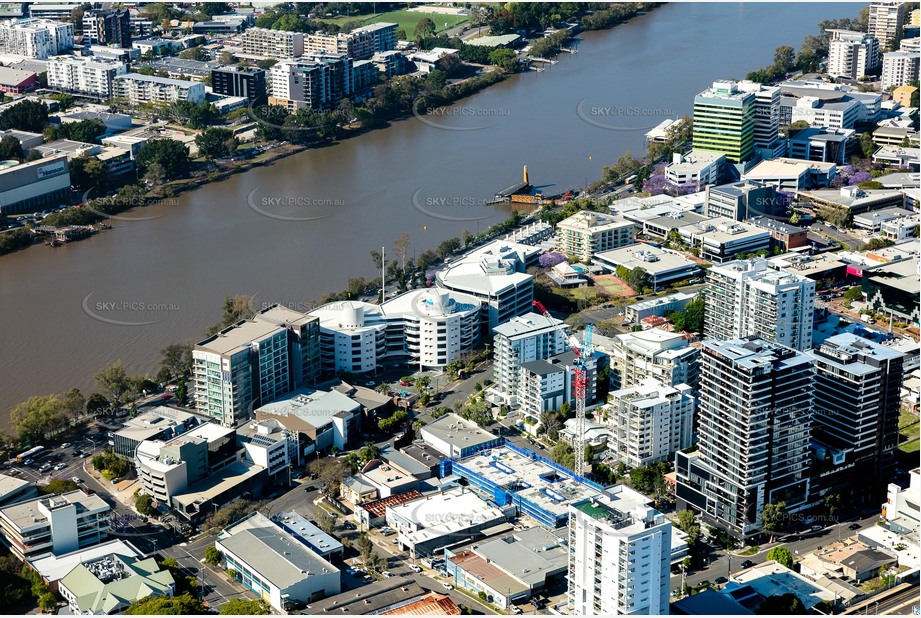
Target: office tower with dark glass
x,y
856,420
754,429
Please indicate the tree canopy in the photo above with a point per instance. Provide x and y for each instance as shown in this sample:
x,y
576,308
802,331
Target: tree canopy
x,y
184,604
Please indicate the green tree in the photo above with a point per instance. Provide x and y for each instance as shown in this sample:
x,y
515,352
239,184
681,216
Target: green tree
x,y
686,519
787,604
691,318
424,28
47,601
216,142
87,172
195,53
113,380
213,555
773,517
854,293
505,59
781,555
563,454
59,486
184,604
74,403
326,522
10,148
638,279
170,154
39,416
28,115
144,504
832,502
176,360
244,607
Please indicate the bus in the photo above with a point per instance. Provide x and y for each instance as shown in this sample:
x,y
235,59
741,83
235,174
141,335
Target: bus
x,y
32,453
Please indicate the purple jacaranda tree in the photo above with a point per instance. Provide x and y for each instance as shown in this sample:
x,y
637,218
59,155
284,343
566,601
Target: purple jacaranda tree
x,y
550,259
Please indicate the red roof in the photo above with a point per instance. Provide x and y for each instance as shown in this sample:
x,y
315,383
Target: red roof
x,y
378,508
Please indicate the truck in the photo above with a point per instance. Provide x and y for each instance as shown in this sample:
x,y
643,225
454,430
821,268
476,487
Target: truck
x,y
866,317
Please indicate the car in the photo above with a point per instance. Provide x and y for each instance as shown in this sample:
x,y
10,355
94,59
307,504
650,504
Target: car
x,y
447,586
816,528
27,462
516,609
854,527
396,540
349,525
350,571
60,466
78,453
370,383
65,445
89,491
14,471
537,604
720,580
415,569
704,584
387,574
748,564
405,383
84,455
676,569
310,488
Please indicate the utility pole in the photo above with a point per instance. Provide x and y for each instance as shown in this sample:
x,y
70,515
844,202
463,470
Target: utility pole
x,y
383,280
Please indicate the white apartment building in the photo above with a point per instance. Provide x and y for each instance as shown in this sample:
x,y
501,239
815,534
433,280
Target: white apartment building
x,y
696,168
35,38
649,422
427,328
652,353
901,509
521,340
851,54
619,555
496,274
57,524
313,81
900,68
834,115
270,43
358,44
586,233
548,384
747,297
138,89
885,21
767,136
84,75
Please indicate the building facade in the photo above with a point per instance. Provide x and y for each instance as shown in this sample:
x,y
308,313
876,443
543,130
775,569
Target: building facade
x,y
856,418
107,27
359,44
652,353
84,75
754,430
521,340
586,233
724,121
649,422
742,200
900,68
619,549
885,22
138,89
852,54
35,38
236,81
312,81
278,44
747,297
26,187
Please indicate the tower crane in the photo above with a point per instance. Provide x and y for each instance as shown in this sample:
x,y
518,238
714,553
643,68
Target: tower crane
x,y
580,378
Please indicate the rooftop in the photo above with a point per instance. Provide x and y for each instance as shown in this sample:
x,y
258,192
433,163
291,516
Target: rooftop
x,y
368,599
306,532
273,553
753,353
770,578
215,485
24,515
787,168
592,222
113,582
316,408
431,303
525,325
654,260
530,555
10,485
53,568
493,41
153,421
621,508
489,270
443,513
166,81
455,430
491,575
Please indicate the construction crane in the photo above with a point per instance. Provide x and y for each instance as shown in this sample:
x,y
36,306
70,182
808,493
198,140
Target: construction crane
x,y
580,378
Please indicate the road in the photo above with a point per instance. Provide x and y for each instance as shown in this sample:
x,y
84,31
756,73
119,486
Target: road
x,y
825,229
721,564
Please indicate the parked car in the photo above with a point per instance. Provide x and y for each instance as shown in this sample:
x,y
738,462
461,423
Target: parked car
x,y
405,383
748,564
387,574
816,528
310,488
447,586
854,527
516,609
720,581
537,604
65,445
60,466
415,569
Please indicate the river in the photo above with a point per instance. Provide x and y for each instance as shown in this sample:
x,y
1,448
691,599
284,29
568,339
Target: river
x,y
297,229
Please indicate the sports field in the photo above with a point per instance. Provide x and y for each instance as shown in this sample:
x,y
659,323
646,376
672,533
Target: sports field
x,y
405,20
612,285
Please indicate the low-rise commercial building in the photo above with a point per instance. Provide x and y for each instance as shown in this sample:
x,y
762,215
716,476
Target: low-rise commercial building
x,y
792,174
742,200
325,419
821,144
694,170
897,156
784,236
854,199
27,187
722,239
110,584
454,436
664,266
57,524
14,490
273,563
157,423
657,306
894,287
901,509
54,567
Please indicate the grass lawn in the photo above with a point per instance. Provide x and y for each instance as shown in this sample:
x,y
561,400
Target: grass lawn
x,y
912,446
405,20
612,285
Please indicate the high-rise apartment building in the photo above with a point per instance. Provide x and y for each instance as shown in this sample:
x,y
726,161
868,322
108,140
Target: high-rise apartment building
x,y
900,68
619,554
137,88
254,362
586,233
856,419
885,22
107,27
652,353
522,339
358,44
724,121
852,54
754,426
314,81
649,422
743,200
747,297
35,38
86,75
279,44
240,81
